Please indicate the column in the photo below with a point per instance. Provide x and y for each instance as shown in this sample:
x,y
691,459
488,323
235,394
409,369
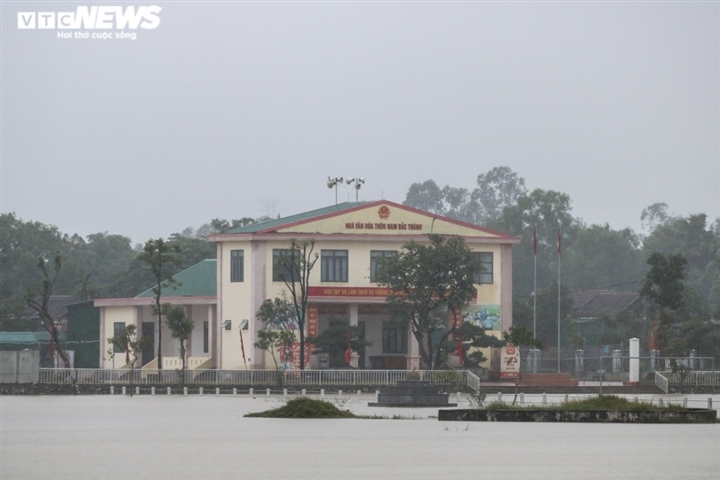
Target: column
x,y
413,356
634,361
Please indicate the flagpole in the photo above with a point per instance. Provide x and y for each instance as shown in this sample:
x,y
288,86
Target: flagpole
x,y
535,299
535,284
558,342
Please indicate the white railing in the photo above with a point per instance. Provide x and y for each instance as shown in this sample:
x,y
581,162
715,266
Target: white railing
x,y
691,379
661,381
256,377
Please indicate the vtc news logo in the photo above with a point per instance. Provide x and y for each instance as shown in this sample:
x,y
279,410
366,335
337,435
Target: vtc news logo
x,y
96,17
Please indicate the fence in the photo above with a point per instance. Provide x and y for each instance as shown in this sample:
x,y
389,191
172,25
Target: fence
x,y
684,379
255,377
611,360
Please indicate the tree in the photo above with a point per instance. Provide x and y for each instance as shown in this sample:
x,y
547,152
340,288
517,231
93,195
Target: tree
x,y
520,337
693,238
158,254
472,339
181,327
602,258
663,286
496,189
127,341
427,283
654,216
425,196
21,245
40,303
276,342
546,210
279,317
294,267
337,338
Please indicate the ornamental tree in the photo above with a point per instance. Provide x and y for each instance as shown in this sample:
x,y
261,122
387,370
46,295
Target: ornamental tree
x,y
430,284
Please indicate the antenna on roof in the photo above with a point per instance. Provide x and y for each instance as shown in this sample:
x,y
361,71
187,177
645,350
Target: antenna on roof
x,y
333,182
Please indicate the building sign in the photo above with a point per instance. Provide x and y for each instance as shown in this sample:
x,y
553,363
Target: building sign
x,y
312,321
484,316
383,226
510,362
349,292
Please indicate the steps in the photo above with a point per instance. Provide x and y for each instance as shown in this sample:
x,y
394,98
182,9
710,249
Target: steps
x,y
547,380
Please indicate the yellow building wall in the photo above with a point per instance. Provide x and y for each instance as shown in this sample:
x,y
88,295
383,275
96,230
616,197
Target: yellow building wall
x,y
399,221
111,315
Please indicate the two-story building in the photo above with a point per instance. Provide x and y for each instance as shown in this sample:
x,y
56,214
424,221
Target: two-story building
x,y
349,239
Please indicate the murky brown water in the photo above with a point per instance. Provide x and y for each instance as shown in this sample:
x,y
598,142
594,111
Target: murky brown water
x,y
103,437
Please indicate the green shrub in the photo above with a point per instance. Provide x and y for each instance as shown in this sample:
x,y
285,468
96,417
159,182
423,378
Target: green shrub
x,y
304,407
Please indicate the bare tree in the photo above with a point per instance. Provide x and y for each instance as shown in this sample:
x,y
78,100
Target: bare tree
x,y
41,304
158,254
294,266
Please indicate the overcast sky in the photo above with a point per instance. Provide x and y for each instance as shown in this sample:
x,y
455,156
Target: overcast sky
x,y
242,109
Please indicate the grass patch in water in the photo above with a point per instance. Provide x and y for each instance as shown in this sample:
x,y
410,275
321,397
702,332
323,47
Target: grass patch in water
x,y
601,402
304,407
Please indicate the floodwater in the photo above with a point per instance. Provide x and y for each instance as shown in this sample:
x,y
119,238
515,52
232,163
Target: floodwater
x,y
193,437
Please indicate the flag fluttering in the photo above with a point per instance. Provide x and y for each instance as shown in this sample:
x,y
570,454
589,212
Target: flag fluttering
x,y
559,242
348,352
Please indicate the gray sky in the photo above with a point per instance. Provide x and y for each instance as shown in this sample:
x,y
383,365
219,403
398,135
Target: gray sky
x,y
241,109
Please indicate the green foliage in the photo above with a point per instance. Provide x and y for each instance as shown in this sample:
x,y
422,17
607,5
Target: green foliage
x,y
498,188
602,257
128,342
663,284
181,327
272,341
304,407
278,312
477,399
279,317
428,281
601,402
521,337
473,339
334,341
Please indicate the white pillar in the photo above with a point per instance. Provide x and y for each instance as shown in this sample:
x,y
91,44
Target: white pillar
x,y
413,355
353,314
634,360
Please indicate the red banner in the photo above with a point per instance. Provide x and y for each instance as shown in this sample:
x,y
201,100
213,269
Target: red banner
x,y
294,359
312,321
349,292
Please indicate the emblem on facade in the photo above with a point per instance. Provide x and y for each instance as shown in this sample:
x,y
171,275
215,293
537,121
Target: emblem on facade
x,y
384,212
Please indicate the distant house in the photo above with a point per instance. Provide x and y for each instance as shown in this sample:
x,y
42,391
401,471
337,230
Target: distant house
x,y
57,307
588,305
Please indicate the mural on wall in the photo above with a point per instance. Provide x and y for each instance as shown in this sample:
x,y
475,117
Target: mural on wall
x,y
484,316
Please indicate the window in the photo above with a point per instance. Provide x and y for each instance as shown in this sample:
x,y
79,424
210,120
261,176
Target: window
x,y
395,339
206,337
376,257
485,260
334,266
283,260
237,265
118,331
